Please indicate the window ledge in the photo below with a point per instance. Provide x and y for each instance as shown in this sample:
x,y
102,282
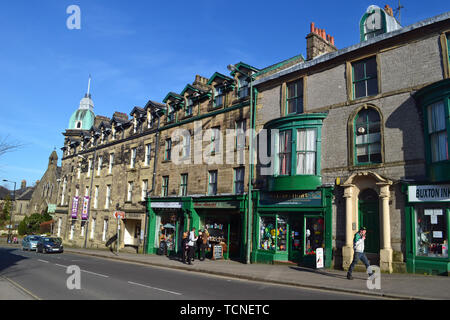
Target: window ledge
x,y
365,99
166,161
366,166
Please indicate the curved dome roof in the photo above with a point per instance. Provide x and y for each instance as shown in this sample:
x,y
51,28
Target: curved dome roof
x,y
82,119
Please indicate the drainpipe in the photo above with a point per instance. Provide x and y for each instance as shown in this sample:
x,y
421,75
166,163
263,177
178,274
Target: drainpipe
x,y
250,178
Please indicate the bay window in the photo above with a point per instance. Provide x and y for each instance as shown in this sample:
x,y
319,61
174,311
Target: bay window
x,y
306,151
285,146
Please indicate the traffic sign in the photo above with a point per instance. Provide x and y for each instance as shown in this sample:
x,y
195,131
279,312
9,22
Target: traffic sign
x,y
119,214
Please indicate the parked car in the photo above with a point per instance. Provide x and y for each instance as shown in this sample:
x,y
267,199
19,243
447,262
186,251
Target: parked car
x,y
49,244
30,242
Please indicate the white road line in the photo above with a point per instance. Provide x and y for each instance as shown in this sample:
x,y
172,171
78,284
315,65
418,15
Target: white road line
x,y
42,261
97,274
142,285
60,265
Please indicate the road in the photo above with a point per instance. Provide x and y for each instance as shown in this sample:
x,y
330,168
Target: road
x,y
44,276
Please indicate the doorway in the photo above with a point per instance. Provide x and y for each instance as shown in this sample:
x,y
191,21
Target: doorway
x,y
368,216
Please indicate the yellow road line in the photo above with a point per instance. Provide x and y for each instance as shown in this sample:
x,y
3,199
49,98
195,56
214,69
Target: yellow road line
x,y
22,288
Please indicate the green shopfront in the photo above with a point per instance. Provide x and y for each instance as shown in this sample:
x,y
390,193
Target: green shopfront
x,y
223,216
427,208
293,212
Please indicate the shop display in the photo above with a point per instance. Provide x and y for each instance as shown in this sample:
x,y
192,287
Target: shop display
x,y
267,233
281,234
314,235
431,233
217,238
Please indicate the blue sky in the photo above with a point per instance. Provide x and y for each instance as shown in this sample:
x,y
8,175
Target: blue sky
x,y
141,50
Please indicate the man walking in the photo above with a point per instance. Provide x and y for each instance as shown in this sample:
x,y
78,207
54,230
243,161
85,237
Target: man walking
x,y
358,248
191,244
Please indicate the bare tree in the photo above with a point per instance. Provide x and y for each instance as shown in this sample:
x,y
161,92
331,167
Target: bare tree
x,y
6,145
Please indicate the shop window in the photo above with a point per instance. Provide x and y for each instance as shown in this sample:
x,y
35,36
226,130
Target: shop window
x,y
281,234
294,99
431,232
306,151
267,233
167,232
314,228
367,137
437,131
365,79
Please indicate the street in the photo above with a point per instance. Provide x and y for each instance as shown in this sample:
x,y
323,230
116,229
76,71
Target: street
x,y
44,276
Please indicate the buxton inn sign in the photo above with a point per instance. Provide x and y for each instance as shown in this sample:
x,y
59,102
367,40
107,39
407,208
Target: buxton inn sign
x,y
429,193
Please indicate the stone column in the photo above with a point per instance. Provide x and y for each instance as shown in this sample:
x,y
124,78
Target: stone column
x,y
347,250
386,250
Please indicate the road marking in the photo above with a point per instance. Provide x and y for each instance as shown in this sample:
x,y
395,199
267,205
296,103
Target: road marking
x,y
42,260
97,274
22,288
60,265
142,285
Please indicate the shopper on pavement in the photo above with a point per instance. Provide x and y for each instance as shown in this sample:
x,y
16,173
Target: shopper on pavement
x,y
192,240
184,247
358,249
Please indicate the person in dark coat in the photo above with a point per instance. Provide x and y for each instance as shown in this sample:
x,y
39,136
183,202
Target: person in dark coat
x,y
184,247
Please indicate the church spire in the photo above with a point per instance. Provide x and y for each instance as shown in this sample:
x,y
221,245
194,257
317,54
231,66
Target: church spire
x,y
88,94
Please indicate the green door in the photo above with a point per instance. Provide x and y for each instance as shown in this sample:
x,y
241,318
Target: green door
x,y
296,237
369,218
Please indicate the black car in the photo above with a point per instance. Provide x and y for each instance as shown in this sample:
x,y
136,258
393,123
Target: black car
x,y
49,244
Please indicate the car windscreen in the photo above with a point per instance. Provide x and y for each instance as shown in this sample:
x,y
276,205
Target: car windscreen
x,y
33,238
52,240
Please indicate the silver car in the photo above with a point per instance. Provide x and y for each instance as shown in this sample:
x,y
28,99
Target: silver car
x,y
30,242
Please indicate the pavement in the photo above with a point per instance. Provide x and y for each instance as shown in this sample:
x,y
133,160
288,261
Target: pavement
x,y
396,286
10,290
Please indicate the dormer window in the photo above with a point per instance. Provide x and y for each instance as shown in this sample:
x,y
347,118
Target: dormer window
x,y
135,124
78,124
113,132
243,90
149,120
189,107
170,113
218,96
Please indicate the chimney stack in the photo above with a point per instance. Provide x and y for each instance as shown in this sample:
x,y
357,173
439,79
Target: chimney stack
x,y
23,184
318,42
388,10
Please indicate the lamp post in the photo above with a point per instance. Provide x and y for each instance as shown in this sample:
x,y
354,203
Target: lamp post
x,y
11,210
250,157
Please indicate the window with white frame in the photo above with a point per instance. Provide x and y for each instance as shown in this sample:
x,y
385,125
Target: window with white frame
x,y
240,134
72,230
239,180
130,191
168,150
183,184
92,228
215,140
63,191
306,151
111,162
96,197
133,158
212,182
165,186
284,153
243,89
148,149
218,96
144,190
86,191
186,150
89,167
189,107
105,229
108,196
82,228
437,131
99,166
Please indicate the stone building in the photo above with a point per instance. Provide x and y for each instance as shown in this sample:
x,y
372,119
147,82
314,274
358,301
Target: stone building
x,y
46,190
21,203
353,136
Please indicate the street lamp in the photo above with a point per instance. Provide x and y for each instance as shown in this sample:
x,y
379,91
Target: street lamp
x,y
11,210
250,77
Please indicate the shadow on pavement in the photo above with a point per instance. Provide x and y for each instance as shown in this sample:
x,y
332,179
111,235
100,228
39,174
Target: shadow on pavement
x,y
8,258
333,275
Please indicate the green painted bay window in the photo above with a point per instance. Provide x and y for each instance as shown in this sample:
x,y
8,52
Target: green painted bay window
x,y
294,97
367,137
306,151
364,78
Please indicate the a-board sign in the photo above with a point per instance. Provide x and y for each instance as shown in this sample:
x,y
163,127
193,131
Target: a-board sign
x,y
218,254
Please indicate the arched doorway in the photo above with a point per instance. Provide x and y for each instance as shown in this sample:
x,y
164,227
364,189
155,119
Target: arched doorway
x,y
368,216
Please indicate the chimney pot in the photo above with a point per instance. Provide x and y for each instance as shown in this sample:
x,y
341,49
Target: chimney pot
x,y
312,27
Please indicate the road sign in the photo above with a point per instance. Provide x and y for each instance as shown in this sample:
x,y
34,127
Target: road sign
x,y
119,214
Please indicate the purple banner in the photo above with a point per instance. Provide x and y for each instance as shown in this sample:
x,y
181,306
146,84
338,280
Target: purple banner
x,y
85,212
75,207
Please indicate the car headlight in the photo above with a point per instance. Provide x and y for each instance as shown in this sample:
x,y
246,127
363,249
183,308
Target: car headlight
x,y
47,246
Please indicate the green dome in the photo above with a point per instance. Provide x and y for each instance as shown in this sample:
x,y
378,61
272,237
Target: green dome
x,y
82,119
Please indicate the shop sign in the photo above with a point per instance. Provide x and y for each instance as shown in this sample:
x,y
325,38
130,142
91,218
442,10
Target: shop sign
x,y
176,205
306,198
319,258
217,205
75,207
429,193
51,208
133,215
85,212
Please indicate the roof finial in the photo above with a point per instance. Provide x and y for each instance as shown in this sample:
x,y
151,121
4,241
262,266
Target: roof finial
x,y
89,84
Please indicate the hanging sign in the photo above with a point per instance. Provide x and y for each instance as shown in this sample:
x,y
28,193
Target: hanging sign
x,y
75,207
85,212
429,193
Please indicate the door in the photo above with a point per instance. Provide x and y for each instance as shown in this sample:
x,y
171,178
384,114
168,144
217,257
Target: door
x,y
296,237
369,217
